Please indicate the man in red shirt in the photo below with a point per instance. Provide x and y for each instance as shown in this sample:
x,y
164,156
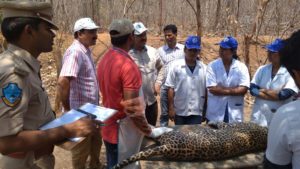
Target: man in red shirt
x,y
120,80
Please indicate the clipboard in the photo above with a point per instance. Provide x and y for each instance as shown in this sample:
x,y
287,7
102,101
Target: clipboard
x,y
95,112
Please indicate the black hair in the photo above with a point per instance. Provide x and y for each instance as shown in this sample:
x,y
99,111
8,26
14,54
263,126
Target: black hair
x,y
234,55
12,27
118,41
76,33
171,27
290,53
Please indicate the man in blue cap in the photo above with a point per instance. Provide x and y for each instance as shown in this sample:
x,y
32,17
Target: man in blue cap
x,y
272,86
186,82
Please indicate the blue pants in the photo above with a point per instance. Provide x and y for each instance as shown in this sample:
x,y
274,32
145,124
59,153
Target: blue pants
x,y
193,119
226,116
164,106
111,154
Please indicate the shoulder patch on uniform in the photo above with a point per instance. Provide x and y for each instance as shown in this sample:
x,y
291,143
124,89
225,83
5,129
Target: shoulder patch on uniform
x,y
12,94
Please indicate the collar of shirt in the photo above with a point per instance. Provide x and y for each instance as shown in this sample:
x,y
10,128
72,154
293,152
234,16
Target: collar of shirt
x,y
82,47
198,64
26,56
234,63
281,71
121,51
166,47
141,51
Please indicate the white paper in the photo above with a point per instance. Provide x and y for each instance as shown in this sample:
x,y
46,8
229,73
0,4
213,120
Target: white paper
x,y
102,114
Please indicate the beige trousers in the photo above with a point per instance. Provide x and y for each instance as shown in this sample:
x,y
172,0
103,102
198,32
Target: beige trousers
x,y
91,146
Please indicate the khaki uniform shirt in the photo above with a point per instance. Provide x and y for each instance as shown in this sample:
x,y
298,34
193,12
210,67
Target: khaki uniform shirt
x,y
149,64
24,104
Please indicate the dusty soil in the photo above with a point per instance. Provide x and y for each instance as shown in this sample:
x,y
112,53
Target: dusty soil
x,y
209,52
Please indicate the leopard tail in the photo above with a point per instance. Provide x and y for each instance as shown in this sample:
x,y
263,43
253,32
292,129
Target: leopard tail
x,y
142,155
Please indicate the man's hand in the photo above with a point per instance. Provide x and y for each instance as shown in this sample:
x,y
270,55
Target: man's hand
x,y
82,128
216,90
171,114
255,92
136,105
156,132
157,89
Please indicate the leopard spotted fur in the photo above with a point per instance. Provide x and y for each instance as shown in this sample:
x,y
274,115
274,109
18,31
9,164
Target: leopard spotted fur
x,y
215,142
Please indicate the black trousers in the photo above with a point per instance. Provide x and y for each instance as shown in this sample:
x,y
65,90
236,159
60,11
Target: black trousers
x,y
151,113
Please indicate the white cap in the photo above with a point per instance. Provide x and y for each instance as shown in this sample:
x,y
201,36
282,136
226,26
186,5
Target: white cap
x,y
139,28
84,23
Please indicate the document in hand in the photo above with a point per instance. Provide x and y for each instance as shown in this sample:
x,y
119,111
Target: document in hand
x,y
96,112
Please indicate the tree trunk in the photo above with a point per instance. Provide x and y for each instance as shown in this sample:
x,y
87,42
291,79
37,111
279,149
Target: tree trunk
x,y
217,16
160,17
198,15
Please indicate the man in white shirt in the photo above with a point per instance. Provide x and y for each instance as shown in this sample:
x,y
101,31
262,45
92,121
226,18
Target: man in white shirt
x,y
149,63
186,82
168,53
283,148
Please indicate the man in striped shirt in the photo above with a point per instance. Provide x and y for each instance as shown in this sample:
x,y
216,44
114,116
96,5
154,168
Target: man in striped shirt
x,y
78,85
168,53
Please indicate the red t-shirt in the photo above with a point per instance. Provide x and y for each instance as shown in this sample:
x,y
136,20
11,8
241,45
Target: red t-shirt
x,y
116,72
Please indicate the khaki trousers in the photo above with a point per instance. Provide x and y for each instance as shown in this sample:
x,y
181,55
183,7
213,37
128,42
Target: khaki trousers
x,y
90,146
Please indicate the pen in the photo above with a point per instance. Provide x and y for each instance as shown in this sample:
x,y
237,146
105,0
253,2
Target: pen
x,y
90,115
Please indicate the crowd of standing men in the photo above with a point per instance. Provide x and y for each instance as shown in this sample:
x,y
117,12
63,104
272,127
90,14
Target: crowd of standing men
x,y
128,78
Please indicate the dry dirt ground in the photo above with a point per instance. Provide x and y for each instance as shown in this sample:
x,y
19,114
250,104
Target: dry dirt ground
x,y
209,52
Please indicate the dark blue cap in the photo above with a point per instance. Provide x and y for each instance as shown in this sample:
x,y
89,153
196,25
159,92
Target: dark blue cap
x,y
193,42
275,46
229,42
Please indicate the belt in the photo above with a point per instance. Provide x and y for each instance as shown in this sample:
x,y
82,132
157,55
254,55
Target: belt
x,y
18,155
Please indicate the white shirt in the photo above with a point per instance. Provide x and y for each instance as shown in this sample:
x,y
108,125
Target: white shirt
x,y
167,56
149,63
263,110
284,136
189,87
238,75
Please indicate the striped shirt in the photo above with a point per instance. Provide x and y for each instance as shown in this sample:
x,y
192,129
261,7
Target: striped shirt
x,y
167,56
78,63
149,64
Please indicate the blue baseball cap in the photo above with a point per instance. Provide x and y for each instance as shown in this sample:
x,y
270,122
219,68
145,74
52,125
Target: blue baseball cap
x,y
193,42
229,42
275,46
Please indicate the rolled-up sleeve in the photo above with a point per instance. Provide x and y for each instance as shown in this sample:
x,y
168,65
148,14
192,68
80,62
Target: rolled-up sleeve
x,y
210,77
245,77
71,64
170,81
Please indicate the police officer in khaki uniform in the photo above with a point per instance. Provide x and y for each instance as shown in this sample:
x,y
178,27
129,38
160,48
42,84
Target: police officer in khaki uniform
x,y
24,104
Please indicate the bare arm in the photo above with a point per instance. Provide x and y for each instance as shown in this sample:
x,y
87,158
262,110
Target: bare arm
x,y
64,91
225,91
35,139
268,94
171,95
138,119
